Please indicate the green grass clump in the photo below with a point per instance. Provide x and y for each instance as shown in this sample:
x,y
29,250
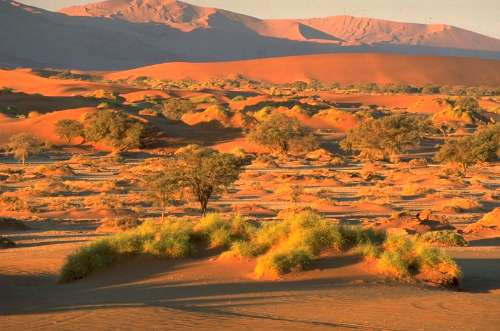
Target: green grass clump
x,y
279,247
220,232
445,238
282,261
407,258
293,243
170,240
89,259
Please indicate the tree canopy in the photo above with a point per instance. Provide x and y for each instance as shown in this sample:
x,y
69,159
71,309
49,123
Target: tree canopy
x,y
117,129
68,129
282,134
386,137
482,146
22,145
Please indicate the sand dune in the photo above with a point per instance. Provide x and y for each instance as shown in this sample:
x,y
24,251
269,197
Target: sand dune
x,y
26,81
341,68
123,34
341,30
41,126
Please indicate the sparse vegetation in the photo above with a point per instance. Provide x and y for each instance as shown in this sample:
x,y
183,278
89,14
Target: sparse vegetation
x,y
444,238
387,137
483,146
280,247
22,145
283,134
115,128
206,172
68,130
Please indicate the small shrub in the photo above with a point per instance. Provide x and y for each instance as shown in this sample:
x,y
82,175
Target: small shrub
x,y
444,238
6,243
407,258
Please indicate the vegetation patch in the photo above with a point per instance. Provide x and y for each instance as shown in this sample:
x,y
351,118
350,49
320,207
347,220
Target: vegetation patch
x,y
445,238
6,243
279,247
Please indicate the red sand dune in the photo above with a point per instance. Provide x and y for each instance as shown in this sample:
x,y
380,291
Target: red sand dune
x,y
339,30
24,80
41,126
340,68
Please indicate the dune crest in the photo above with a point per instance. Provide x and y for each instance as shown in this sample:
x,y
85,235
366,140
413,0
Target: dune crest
x,y
342,68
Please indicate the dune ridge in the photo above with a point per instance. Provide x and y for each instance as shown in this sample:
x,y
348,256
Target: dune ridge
x,y
330,68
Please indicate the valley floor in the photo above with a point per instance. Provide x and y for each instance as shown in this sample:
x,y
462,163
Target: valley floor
x,y
148,294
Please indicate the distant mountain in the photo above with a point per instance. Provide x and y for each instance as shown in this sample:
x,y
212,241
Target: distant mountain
x,y
339,30
121,34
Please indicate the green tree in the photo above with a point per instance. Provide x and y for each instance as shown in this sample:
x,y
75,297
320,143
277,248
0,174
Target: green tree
x,y
281,134
22,145
206,172
483,146
163,187
385,138
173,109
68,129
117,129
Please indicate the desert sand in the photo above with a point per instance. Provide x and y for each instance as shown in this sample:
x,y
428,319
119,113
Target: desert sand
x,y
342,68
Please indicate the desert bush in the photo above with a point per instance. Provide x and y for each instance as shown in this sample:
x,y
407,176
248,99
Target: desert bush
x,y
385,138
406,258
13,203
87,260
445,238
282,134
119,223
220,232
6,243
68,129
174,108
464,110
115,128
22,145
482,146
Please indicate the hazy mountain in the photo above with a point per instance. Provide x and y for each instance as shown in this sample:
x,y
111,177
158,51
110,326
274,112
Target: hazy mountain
x,y
121,34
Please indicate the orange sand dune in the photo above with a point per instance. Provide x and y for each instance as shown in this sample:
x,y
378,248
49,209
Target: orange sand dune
x,y
341,68
41,126
24,80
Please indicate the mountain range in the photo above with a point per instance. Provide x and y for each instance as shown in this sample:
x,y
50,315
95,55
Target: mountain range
x,y
122,34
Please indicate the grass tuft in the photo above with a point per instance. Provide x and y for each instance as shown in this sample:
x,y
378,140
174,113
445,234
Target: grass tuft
x,y
279,247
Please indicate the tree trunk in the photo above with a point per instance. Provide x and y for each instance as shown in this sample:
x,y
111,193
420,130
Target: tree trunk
x,y
204,204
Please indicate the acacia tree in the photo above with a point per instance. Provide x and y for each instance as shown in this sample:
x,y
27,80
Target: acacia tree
x,y
22,145
385,138
281,134
117,129
163,187
205,172
483,146
68,129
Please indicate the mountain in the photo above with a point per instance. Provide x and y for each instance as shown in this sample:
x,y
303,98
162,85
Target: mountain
x,y
339,30
121,34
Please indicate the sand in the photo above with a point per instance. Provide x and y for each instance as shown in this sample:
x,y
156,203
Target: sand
x,y
342,68
145,293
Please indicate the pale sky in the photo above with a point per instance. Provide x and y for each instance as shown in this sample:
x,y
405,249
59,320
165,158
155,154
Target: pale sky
x,y
481,16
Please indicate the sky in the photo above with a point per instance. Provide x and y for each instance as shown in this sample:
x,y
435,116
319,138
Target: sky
x,y
481,16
